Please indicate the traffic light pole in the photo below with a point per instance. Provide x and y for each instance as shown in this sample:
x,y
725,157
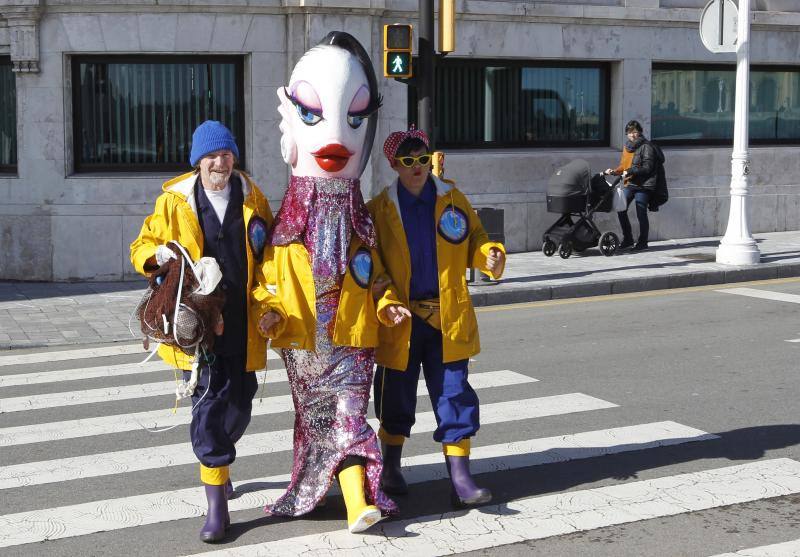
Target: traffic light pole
x,y
427,70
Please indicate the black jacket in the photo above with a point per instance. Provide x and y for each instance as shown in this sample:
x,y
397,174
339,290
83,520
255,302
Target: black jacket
x,y
643,169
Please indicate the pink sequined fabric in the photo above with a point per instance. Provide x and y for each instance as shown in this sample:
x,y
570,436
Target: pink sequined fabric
x,y
291,220
331,386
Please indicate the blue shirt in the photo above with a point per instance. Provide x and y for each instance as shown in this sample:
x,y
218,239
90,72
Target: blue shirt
x,y
419,222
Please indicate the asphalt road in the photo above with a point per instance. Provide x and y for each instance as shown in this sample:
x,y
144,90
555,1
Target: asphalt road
x,y
704,379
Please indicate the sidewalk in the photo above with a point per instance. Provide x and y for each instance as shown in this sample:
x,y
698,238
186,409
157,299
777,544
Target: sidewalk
x,y
54,314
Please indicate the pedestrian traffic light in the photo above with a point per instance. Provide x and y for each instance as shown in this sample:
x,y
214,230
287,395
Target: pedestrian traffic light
x,y
397,47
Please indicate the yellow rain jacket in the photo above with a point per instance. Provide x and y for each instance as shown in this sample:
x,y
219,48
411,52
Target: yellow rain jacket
x,y
459,325
358,316
175,218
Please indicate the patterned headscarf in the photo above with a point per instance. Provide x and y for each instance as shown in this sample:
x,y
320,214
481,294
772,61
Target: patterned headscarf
x,y
396,139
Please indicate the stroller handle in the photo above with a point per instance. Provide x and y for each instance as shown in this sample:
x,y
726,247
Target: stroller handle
x,y
614,183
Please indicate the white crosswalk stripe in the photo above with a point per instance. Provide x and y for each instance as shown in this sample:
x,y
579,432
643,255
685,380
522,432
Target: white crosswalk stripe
x,y
156,419
106,394
763,294
551,515
786,549
149,458
81,373
126,512
442,534
83,353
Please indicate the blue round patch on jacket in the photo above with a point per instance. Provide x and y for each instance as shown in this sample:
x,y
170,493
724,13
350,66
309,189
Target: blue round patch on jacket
x,y
361,267
453,225
257,233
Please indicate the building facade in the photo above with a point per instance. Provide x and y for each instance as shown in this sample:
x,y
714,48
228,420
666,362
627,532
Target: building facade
x,y
98,100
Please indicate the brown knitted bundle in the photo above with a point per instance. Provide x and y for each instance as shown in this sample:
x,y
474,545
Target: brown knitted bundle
x,y
193,323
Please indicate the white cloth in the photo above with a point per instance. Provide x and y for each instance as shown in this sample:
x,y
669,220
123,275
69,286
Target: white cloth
x,y
208,275
164,254
219,200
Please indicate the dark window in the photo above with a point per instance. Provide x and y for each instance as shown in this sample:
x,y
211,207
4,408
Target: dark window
x,y
695,104
489,103
8,118
138,113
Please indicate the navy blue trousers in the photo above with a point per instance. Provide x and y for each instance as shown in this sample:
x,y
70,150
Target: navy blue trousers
x,y
455,403
220,419
642,197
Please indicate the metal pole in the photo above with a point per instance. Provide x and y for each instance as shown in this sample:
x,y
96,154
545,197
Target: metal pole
x,y
427,69
737,246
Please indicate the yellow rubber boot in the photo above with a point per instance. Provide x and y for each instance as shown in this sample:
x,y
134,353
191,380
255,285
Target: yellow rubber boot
x,y
360,516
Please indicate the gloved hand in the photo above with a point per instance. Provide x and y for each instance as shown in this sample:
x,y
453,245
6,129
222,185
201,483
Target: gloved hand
x,y
164,254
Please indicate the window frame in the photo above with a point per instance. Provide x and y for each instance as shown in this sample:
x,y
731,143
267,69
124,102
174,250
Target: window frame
x,y
605,91
147,58
7,170
719,67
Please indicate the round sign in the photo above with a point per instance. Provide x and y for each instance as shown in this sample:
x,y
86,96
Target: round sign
x,y
718,26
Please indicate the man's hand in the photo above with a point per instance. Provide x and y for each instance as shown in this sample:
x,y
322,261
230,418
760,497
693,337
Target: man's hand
x,y
397,314
219,328
495,261
379,287
268,322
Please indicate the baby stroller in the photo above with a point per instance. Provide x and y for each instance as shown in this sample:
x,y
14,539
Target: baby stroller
x,y
577,195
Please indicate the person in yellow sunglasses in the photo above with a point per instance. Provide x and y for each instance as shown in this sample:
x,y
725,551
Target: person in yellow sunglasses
x,y
428,234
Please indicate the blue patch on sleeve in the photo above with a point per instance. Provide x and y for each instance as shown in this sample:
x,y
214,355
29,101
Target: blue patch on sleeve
x,y
453,225
361,267
257,233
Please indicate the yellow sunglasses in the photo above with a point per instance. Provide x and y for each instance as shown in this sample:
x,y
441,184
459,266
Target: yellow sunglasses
x,y
408,162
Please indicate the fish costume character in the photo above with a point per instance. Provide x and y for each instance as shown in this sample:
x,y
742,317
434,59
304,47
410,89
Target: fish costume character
x,y
326,264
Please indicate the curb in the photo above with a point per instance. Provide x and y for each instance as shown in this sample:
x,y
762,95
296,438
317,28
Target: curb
x,y
607,287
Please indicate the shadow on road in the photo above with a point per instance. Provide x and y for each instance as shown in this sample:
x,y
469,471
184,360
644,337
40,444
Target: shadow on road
x,y
509,484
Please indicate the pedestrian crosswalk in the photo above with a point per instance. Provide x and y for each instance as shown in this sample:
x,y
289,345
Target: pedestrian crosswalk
x,y
56,441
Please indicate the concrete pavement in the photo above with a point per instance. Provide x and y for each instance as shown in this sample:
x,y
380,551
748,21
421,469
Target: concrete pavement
x,y
53,314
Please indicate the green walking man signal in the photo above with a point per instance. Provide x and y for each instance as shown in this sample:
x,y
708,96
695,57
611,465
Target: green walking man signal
x,y
397,48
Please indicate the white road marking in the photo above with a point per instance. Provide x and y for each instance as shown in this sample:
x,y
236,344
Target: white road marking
x,y
77,354
152,508
81,353
106,394
763,294
38,378
156,419
786,549
148,458
547,516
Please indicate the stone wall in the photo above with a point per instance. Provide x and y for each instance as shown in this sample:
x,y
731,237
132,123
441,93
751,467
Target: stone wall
x,y
59,225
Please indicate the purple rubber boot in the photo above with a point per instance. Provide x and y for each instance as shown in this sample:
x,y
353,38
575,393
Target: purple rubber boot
x,y
392,481
465,493
217,519
230,493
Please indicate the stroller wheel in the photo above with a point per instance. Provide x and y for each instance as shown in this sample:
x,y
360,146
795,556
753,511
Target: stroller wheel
x,y
548,247
608,243
565,250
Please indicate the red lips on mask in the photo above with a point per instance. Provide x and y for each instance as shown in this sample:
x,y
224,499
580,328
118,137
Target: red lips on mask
x,y
333,157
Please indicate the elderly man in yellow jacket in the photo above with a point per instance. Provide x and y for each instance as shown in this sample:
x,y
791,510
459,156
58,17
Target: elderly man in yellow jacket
x,y
216,211
428,234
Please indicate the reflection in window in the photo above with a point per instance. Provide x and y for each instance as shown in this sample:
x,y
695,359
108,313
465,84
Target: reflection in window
x,y
8,118
486,104
696,105
139,114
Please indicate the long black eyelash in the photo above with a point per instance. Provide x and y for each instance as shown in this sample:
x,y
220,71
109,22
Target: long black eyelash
x,y
373,107
294,101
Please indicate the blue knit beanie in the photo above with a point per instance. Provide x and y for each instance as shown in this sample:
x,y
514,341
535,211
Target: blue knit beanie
x,y
211,136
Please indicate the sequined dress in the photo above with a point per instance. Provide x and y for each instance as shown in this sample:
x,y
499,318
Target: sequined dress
x,y
331,386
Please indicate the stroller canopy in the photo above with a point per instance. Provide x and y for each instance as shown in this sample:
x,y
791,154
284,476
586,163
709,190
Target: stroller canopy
x,y
571,180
